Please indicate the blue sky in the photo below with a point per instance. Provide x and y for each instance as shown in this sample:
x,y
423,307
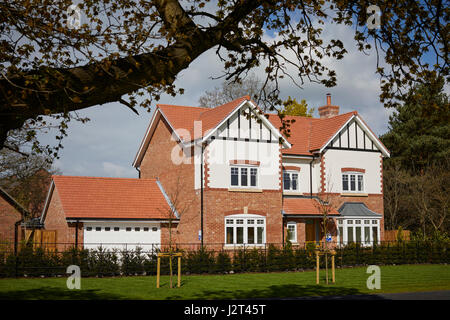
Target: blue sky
x,y
106,145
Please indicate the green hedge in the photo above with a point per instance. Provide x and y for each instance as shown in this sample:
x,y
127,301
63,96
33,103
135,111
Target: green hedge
x,y
100,262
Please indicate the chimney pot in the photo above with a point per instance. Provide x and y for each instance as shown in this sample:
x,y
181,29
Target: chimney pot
x,y
328,110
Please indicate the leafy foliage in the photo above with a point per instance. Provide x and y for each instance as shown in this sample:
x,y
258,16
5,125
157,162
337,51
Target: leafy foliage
x,y
293,108
131,51
416,177
26,178
103,262
419,133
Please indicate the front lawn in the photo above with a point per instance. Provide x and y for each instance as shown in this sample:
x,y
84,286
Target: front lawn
x,y
405,278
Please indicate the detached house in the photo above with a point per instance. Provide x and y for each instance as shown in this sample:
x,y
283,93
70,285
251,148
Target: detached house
x,y
228,176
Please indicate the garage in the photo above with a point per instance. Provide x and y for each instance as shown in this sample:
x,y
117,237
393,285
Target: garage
x,y
112,213
122,235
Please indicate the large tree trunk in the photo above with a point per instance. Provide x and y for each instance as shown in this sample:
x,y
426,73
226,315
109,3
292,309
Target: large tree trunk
x,y
103,82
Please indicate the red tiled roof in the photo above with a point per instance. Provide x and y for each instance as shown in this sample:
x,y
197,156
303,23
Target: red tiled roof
x,y
211,118
304,206
183,117
324,129
111,198
308,134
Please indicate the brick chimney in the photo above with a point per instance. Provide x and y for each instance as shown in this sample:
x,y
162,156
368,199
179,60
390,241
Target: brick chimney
x,y
328,110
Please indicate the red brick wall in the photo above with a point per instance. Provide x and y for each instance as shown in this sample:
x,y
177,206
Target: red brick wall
x,y
55,219
8,217
177,181
219,203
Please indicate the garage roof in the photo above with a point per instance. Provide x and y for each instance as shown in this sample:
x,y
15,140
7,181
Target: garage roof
x,y
110,198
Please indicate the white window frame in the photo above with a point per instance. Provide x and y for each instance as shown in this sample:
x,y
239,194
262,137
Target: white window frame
x,y
356,175
249,176
290,172
351,222
246,218
294,234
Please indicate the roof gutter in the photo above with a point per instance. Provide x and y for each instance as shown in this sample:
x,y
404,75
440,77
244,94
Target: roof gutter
x,y
138,220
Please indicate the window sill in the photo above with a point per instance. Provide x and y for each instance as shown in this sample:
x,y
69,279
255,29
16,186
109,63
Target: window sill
x,y
239,246
292,192
351,194
244,190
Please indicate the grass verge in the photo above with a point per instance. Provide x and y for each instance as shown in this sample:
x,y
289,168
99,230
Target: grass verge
x,y
404,278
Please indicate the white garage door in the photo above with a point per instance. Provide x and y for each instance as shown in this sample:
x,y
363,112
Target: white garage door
x,y
123,235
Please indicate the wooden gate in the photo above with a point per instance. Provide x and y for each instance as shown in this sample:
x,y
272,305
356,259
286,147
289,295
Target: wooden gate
x,y
45,239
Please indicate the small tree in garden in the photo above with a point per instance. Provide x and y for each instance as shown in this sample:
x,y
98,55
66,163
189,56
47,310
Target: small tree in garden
x,y
176,208
324,205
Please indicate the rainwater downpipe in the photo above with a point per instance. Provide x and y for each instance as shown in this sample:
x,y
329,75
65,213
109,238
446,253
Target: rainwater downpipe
x,y
201,195
139,172
310,177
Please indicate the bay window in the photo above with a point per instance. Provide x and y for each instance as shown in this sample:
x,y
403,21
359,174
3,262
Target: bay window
x,y
365,232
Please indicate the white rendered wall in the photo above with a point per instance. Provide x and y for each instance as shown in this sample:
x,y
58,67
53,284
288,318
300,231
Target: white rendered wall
x,y
335,160
304,174
220,152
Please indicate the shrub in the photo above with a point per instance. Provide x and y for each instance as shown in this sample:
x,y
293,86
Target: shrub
x,y
132,262
273,259
303,260
223,262
287,258
200,261
239,261
100,262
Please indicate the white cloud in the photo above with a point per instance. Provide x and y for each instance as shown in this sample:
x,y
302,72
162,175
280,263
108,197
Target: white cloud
x,y
117,171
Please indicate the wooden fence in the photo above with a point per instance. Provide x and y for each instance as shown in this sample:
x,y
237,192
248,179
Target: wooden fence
x,y
392,235
45,239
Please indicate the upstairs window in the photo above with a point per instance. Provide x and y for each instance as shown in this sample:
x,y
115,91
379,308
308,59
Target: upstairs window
x,y
243,176
290,181
234,176
352,182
